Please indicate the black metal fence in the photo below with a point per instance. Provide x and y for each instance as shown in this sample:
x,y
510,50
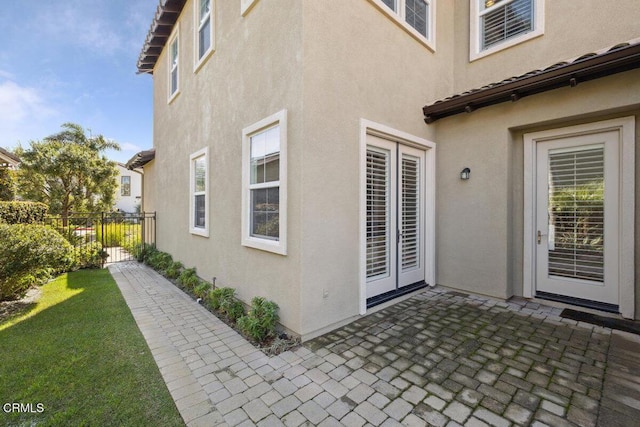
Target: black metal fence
x,y
113,236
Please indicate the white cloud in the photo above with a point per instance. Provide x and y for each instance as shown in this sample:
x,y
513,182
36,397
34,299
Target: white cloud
x,y
25,113
127,146
83,23
19,103
6,75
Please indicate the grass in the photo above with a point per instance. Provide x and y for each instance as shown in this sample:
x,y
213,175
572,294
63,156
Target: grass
x,y
79,353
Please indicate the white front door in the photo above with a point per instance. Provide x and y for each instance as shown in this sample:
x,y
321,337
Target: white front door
x,y
395,212
577,218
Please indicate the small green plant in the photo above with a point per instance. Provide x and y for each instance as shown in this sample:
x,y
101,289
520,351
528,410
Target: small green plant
x,y
174,270
201,289
141,250
217,295
224,301
234,310
90,255
188,278
260,322
159,261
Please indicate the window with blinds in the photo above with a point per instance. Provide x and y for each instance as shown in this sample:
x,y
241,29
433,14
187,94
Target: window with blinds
x,y
410,227
502,20
416,13
378,212
576,213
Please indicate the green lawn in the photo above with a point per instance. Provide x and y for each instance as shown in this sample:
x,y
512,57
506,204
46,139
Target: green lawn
x,y
79,353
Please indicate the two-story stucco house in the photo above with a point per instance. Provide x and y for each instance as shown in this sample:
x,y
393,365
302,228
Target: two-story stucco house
x,y
335,156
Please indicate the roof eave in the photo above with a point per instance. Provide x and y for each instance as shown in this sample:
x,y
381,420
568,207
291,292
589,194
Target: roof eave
x,y
589,67
140,159
162,25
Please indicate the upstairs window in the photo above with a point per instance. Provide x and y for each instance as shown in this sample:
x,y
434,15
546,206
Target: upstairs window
x,y
173,66
416,16
204,38
498,24
125,185
501,20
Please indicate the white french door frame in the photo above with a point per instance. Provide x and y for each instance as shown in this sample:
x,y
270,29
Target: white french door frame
x,y
428,181
625,127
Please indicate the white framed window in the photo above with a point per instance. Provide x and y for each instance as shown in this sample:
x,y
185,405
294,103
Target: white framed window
x,y
264,184
174,59
204,31
417,17
125,185
499,24
246,5
198,193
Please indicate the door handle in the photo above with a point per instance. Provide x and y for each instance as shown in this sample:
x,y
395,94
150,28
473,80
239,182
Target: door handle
x,y
540,236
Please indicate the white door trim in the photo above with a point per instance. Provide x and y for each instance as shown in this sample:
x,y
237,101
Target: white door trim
x,y
368,127
625,127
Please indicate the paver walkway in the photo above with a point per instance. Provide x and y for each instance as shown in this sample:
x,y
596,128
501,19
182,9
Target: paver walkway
x,y
440,358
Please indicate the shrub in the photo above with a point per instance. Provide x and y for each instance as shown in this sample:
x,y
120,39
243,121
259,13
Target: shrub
x,y
23,212
7,184
174,270
201,289
90,255
118,234
188,278
30,255
260,322
224,301
141,251
234,309
160,261
217,295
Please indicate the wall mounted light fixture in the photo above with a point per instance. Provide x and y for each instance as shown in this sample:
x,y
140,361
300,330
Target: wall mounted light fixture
x,y
465,174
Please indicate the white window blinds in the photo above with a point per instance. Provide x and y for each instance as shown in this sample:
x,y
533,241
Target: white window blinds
x,y
378,212
410,226
501,20
576,213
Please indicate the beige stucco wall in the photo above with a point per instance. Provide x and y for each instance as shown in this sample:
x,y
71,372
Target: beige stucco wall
x,y
254,73
358,64
480,221
572,28
331,64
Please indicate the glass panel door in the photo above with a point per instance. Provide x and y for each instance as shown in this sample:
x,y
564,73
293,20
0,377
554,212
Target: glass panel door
x,y
577,205
394,216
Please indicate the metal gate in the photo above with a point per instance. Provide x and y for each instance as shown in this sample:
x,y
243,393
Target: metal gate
x,y
106,237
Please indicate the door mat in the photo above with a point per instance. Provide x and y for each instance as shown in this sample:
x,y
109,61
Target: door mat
x,y
632,326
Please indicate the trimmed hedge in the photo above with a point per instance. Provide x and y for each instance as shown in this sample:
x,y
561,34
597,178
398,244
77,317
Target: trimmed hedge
x,y
31,254
23,212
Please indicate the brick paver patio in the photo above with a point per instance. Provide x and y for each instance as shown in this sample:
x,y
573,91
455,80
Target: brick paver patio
x,y
440,358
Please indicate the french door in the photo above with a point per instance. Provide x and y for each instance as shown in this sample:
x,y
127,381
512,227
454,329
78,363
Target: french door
x,y
577,218
395,216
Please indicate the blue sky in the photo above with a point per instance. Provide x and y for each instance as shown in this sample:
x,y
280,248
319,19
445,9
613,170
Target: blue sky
x,y
75,61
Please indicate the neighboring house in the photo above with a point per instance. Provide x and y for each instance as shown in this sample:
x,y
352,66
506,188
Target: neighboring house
x,y
137,163
129,192
8,159
293,160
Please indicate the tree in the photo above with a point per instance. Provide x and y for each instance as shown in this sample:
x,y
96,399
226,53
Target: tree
x,y
7,185
68,172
